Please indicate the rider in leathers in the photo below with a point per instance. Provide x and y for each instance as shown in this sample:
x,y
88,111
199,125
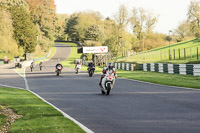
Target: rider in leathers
x,y
110,67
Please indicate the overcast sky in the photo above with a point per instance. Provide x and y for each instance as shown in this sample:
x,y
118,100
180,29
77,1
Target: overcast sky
x,y
171,12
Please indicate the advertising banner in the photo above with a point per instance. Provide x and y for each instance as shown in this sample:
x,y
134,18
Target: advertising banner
x,y
101,49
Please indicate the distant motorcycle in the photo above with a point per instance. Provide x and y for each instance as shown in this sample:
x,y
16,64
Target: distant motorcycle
x,y
58,70
41,65
91,71
78,68
107,83
32,66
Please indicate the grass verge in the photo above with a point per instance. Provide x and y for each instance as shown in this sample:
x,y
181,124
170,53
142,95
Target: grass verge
x,y
153,77
38,116
2,120
187,81
53,51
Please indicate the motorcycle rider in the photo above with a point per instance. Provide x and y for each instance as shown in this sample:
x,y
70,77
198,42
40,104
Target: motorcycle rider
x,y
77,63
90,65
110,68
32,66
59,64
41,64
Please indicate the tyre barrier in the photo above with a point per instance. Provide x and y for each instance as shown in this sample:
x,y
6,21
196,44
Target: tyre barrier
x,y
183,69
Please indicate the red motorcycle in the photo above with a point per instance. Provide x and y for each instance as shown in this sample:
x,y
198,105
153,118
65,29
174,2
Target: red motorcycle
x,y
58,70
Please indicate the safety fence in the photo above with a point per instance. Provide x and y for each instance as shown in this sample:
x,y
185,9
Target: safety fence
x,y
183,69
190,53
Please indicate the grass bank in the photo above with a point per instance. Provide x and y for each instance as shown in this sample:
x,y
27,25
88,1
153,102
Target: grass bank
x,y
153,77
53,51
183,52
187,81
38,116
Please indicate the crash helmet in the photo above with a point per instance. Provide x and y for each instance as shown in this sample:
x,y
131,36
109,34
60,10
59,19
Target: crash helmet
x,y
110,66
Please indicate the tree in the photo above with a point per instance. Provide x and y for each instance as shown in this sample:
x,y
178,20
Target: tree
x,y
183,30
43,15
122,19
94,33
78,24
142,21
111,36
24,29
7,43
71,28
194,17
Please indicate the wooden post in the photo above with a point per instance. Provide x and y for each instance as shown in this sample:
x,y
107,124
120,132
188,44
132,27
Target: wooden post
x,y
174,54
184,54
179,53
169,55
197,53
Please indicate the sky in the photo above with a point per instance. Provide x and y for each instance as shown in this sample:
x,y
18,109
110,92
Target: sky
x,y
170,12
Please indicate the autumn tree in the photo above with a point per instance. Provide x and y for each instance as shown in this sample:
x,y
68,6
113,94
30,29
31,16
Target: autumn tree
x,y
7,43
182,31
43,15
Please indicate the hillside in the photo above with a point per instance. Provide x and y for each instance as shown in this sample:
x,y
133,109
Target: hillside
x,y
183,52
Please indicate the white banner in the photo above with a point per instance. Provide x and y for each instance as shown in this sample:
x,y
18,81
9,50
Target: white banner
x,y
101,49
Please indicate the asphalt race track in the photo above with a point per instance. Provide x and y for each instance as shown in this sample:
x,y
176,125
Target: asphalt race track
x,y
131,107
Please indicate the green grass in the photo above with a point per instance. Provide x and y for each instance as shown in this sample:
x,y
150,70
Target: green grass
x,y
153,77
3,120
162,54
53,51
38,117
162,78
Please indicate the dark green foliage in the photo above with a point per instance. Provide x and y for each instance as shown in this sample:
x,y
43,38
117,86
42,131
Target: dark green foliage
x,y
71,28
24,29
94,33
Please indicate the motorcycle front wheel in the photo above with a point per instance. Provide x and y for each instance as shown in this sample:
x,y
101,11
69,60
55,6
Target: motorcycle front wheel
x,y
58,73
108,88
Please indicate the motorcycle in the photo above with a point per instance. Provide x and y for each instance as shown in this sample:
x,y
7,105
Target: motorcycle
x,y
91,71
107,83
78,68
41,65
58,70
32,66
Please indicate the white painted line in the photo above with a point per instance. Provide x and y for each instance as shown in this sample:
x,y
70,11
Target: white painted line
x,y
25,80
18,72
8,86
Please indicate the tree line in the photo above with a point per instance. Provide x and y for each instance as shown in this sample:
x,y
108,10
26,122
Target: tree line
x,y
29,25
91,28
